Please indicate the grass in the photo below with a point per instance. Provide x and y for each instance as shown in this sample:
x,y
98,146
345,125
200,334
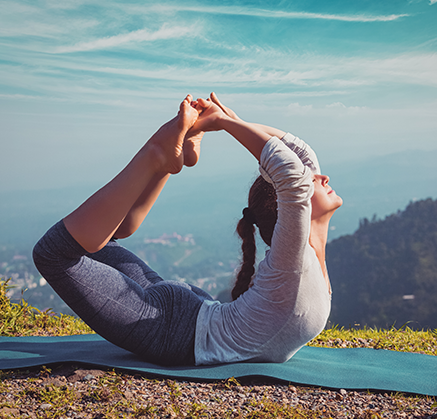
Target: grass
x,y
403,339
21,319
106,397
111,395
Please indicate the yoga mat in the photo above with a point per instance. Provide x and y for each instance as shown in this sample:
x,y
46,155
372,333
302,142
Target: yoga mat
x,y
357,368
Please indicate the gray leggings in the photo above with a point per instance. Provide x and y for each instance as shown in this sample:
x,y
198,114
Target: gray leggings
x,y
121,298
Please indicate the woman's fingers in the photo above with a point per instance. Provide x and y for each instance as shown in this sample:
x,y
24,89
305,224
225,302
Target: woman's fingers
x,y
225,109
215,99
202,104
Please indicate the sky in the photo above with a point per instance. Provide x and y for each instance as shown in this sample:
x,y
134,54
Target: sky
x,y
83,84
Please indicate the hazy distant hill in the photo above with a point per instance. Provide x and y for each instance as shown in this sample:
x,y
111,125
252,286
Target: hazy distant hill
x,y
386,271
381,185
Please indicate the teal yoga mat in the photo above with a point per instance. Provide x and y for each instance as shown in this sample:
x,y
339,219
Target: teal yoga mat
x,y
358,368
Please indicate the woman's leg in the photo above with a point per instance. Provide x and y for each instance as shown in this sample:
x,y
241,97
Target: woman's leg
x,y
142,206
122,259
126,262
139,210
138,311
156,321
135,188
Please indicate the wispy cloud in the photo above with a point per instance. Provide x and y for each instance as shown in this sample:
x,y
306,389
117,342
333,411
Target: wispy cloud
x,y
194,57
342,107
30,97
41,22
84,79
247,11
431,2
141,35
315,72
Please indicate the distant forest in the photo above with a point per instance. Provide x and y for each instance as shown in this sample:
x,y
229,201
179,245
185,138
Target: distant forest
x,y
385,273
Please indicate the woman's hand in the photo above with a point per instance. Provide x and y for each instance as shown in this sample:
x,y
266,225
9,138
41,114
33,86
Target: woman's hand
x,y
211,116
194,136
229,112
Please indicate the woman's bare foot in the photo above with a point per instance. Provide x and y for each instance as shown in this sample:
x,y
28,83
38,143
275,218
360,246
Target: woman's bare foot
x,y
192,147
168,142
209,111
192,141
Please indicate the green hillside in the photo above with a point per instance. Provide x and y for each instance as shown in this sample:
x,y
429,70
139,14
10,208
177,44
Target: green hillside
x,y
386,272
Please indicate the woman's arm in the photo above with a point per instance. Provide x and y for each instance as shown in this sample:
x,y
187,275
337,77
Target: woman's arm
x,y
282,167
302,149
273,132
249,135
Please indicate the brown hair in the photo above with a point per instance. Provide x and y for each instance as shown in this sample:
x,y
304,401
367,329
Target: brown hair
x,y
262,212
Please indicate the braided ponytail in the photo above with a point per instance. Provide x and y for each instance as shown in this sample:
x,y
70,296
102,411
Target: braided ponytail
x,y
246,231
261,211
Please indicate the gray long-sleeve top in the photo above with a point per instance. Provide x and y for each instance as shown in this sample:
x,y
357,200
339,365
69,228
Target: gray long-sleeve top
x,y
288,303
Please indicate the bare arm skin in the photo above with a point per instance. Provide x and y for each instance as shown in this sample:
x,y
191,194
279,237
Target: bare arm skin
x,y
273,132
213,118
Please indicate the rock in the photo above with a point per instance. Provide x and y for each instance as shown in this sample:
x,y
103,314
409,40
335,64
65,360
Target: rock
x,y
53,381
9,412
79,375
129,395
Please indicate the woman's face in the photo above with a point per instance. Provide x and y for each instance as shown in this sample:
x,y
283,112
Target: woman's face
x,y
324,200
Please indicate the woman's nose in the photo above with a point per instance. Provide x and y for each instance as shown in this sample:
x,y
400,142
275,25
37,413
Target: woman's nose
x,y
325,180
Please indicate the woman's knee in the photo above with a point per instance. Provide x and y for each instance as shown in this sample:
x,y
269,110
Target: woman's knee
x,y
56,250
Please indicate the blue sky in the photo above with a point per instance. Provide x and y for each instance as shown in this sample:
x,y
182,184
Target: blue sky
x,y
84,83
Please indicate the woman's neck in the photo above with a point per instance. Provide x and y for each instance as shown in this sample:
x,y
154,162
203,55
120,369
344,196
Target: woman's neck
x,y
318,240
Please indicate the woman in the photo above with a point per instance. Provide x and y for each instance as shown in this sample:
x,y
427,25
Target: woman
x,y
170,323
